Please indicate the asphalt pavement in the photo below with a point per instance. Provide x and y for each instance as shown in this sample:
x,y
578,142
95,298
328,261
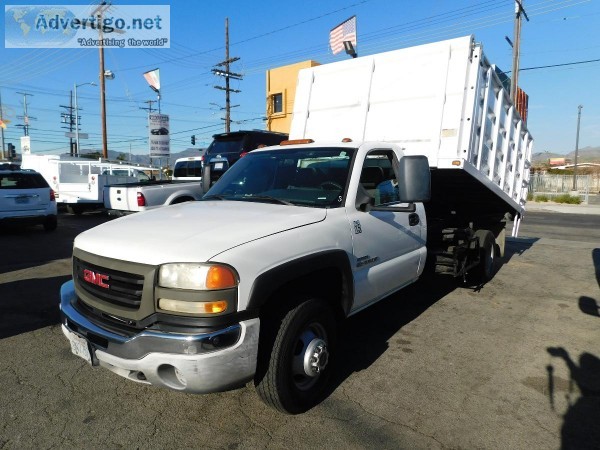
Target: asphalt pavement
x,y
512,364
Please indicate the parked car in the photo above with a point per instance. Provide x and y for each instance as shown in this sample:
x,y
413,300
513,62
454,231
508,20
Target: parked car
x,y
26,198
227,148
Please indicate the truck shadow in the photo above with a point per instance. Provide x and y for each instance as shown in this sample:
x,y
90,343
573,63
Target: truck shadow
x,y
364,337
517,246
28,305
582,393
589,305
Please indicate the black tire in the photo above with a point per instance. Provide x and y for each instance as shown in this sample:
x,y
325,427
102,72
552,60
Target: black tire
x,y
51,223
206,178
75,209
292,381
487,256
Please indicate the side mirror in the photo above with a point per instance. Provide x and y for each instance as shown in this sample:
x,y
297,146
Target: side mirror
x,y
414,179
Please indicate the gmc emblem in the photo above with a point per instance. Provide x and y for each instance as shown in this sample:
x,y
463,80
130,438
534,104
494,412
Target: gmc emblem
x,y
95,278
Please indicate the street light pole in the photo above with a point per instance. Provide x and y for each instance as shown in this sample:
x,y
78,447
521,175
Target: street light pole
x,y
576,148
77,115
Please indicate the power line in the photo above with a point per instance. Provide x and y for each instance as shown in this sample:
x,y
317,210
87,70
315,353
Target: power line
x,y
559,65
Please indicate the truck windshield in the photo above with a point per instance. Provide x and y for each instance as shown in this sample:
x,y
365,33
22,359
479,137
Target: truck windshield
x,y
312,176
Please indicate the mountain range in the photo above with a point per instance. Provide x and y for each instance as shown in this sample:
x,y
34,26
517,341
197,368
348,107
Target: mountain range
x,y
586,154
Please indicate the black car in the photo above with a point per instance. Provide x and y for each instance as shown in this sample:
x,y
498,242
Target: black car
x,y
159,131
227,148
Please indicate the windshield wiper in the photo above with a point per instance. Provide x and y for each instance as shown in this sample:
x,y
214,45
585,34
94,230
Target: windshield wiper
x,y
267,198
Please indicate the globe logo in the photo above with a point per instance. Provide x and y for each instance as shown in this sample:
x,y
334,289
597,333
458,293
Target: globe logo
x,y
38,26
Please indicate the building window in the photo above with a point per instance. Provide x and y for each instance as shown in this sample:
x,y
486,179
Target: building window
x,y
277,103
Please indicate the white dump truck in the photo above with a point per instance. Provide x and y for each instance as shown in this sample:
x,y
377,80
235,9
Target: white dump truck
x,y
396,162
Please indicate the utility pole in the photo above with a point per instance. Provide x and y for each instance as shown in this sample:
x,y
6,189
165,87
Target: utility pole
x,y
514,81
576,149
149,108
227,75
103,99
2,154
98,12
69,119
25,116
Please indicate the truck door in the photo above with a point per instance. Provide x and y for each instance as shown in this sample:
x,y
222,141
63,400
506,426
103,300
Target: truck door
x,y
388,245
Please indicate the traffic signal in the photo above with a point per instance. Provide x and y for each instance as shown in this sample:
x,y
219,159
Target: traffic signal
x,y
193,140
11,151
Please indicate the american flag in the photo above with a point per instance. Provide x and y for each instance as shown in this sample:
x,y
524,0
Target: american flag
x,y
346,31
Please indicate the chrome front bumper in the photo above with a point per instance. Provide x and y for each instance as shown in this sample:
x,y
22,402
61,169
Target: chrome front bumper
x,y
182,361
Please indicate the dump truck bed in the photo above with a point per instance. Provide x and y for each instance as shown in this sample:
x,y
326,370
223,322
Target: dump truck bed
x,y
443,100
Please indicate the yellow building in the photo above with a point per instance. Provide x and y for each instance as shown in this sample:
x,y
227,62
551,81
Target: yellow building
x,y
281,89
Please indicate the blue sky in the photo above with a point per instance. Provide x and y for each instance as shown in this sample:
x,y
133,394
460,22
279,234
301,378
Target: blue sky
x,y
267,34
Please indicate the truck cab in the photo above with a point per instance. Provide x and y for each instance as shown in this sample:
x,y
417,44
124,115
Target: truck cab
x,y
336,226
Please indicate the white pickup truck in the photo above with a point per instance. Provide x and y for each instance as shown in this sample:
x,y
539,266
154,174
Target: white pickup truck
x,y
423,160
127,198
186,185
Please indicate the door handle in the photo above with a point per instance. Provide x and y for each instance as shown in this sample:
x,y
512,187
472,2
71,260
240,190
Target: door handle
x,y
413,219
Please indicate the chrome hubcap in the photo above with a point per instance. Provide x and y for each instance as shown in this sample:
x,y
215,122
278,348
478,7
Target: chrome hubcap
x,y
316,357
310,357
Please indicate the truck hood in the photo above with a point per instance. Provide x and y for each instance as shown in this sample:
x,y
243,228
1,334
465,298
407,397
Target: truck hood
x,y
192,231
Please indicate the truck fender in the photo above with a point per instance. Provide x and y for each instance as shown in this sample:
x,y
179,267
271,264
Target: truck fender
x,y
182,196
179,199
269,282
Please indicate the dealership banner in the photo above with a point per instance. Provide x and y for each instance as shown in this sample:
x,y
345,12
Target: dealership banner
x,y
158,135
25,145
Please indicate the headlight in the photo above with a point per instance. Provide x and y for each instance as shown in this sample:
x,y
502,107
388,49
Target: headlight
x,y
197,276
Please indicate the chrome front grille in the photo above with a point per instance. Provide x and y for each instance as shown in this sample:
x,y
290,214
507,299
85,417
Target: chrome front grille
x,y
109,285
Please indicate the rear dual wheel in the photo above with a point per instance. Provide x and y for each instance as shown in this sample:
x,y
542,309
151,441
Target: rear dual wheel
x,y
298,363
487,256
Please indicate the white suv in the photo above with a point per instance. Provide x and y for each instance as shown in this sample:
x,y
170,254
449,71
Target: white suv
x,y
26,197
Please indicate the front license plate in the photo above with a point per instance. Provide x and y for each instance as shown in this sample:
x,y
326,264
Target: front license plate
x,y
218,166
80,347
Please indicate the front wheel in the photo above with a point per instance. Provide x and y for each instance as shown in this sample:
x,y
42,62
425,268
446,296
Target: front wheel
x,y
298,363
